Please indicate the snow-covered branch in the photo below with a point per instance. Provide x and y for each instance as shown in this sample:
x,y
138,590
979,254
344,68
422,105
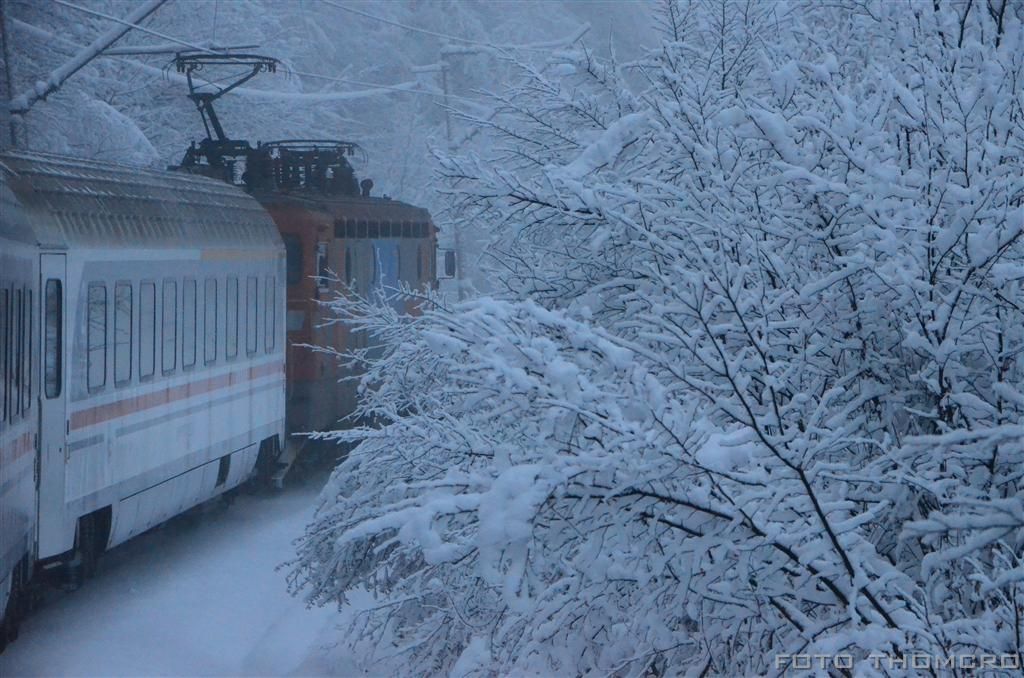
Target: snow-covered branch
x,y
23,102
752,382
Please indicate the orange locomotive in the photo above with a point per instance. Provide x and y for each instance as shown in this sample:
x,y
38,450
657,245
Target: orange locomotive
x,y
337,237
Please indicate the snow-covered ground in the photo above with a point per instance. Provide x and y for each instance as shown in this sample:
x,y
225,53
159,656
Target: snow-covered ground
x,y
199,596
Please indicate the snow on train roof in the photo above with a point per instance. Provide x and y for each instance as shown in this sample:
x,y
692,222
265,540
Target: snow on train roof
x,y
72,202
13,224
349,207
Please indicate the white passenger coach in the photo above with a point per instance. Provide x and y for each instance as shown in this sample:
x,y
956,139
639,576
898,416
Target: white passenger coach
x,y
19,420
142,353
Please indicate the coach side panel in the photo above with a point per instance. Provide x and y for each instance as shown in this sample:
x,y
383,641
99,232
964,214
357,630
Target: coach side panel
x,y
18,408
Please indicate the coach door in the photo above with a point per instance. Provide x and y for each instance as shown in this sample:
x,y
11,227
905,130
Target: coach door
x,y
52,411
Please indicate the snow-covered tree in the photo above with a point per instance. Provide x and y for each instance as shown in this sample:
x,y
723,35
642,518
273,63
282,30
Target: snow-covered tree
x,y
751,385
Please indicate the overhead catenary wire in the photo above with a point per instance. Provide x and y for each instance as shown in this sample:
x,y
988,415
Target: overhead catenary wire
x,y
22,103
580,32
167,48
131,24
401,87
397,24
411,87
373,89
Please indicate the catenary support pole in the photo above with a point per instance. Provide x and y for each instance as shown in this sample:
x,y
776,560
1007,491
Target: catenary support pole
x,y
456,227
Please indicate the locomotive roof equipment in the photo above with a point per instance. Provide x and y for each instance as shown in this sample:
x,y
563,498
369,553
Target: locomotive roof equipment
x,y
319,165
218,150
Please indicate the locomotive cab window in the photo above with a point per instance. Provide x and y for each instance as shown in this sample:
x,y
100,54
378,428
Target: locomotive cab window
x,y
96,337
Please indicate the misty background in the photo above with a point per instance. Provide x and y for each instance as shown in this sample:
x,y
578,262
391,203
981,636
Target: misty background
x,y
368,72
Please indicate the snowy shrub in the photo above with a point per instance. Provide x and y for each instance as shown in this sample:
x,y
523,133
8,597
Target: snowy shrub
x,y
752,386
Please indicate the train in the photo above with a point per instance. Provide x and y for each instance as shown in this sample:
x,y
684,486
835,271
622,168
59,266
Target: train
x,y
336,235
152,334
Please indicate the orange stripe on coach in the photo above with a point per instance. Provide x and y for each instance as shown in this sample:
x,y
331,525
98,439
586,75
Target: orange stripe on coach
x,y
21,446
127,406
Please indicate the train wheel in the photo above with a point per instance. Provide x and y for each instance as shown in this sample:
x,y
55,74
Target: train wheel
x,y
5,595
92,538
89,548
12,590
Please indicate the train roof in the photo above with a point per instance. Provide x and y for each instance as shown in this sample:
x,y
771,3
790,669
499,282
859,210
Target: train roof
x,y
82,203
348,207
14,225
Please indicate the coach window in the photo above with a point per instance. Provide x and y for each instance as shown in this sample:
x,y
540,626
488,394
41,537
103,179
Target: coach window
x,y
252,288
169,327
29,317
4,344
96,336
15,359
188,324
53,351
122,333
231,309
210,321
270,313
147,330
